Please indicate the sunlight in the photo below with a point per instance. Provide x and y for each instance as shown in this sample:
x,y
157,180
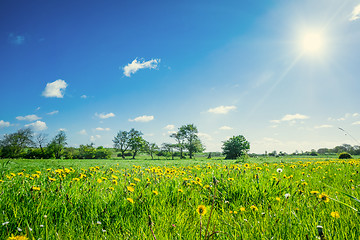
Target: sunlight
x,y
312,43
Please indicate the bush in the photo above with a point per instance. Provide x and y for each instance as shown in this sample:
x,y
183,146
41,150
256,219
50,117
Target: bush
x,y
345,155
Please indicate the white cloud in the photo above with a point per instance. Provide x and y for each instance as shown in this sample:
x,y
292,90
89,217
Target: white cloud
x,y
355,14
29,118
356,123
324,126
94,138
4,124
105,116
53,112
225,128
356,114
136,65
144,118
102,129
205,136
37,126
62,129
297,116
169,127
83,132
221,109
84,96
17,40
55,89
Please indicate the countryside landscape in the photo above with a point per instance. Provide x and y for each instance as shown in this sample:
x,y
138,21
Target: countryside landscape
x,y
179,120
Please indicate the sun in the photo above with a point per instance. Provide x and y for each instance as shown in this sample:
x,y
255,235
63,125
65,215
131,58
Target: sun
x,y
312,43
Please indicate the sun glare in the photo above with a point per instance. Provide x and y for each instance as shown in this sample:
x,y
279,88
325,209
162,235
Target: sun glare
x,y
312,43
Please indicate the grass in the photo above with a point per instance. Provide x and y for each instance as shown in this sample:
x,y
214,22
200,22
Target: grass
x,y
113,199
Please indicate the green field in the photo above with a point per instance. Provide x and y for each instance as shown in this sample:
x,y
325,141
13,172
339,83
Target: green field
x,y
263,198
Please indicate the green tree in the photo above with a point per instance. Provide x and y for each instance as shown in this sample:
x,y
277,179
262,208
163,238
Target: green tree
x,y
136,142
57,145
121,142
235,147
180,142
13,145
168,149
151,148
192,142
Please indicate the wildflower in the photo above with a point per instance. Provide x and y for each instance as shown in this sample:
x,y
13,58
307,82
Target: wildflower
x,y
98,222
279,170
132,184
114,177
180,190
114,182
35,188
230,179
247,165
287,195
201,210
1,181
111,188
254,208
17,237
324,197
235,212
76,179
99,180
103,230
155,192
5,223
335,214
314,192
242,209
277,199
136,179
52,179
130,200
130,188
19,229
41,226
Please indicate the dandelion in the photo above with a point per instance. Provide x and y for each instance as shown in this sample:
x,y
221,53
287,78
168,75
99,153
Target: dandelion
x,y
279,170
111,188
132,184
136,179
201,210
230,179
287,195
35,188
130,200
277,199
19,229
98,222
17,237
254,208
52,179
335,214
242,209
324,197
103,230
314,192
99,180
5,223
130,188
180,190
41,226
155,192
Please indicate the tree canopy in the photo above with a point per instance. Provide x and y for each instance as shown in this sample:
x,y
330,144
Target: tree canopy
x,y
235,147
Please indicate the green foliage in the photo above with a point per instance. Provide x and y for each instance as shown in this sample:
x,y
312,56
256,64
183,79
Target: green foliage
x,y
57,145
235,147
13,145
344,155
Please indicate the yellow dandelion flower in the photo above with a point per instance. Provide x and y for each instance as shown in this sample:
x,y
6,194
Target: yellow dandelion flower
x,y
114,182
242,209
230,179
130,188
254,208
35,188
180,190
335,214
230,212
111,188
201,210
314,192
114,177
99,180
17,237
155,192
52,179
324,197
132,184
277,199
76,179
130,200
136,179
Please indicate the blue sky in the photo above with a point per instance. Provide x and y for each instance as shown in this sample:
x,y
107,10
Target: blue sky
x,y
282,73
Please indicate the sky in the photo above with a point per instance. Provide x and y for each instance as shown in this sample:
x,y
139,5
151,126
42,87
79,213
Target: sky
x,y
284,74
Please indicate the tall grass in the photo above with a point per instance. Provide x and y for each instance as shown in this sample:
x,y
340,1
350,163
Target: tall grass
x,y
243,201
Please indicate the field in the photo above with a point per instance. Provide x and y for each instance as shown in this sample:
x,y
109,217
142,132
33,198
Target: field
x,y
286,198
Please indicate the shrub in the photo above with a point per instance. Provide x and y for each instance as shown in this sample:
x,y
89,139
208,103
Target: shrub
x,y
345,155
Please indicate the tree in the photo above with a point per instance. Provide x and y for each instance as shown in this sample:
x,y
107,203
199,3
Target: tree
x,y
13,145
121,142
168,148
180,142
57,145
192,142
235,147
136,142
151,148
41,140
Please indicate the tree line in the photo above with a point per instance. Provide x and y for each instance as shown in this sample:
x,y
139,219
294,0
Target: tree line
x,y
25,144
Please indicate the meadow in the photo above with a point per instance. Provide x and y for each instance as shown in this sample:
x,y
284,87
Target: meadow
x,y
270,198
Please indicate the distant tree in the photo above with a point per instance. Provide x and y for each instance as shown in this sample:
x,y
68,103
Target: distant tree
x,y
121,142
13,145
136,142
150,148
235,147
40,141
57,145
168,149
180,142
102,153
87,151
192,142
